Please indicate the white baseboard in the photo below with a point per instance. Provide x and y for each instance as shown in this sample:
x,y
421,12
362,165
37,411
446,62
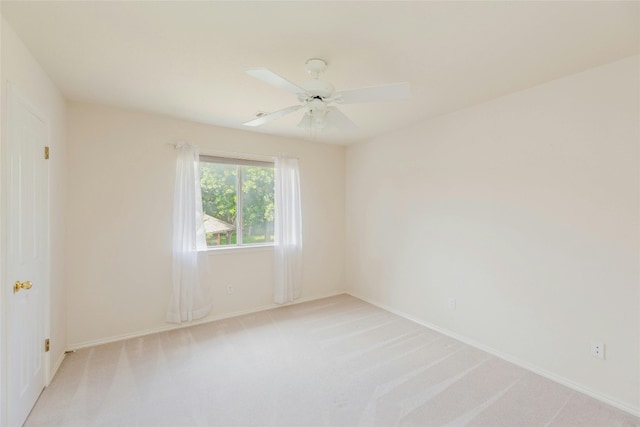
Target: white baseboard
x,y
633,410
208,319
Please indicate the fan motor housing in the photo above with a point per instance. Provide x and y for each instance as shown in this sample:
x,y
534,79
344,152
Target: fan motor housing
x,y
318,88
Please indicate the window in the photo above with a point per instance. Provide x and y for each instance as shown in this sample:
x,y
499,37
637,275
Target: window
x,y
237,201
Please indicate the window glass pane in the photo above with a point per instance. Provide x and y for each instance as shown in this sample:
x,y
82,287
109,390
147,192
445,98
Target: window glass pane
x,y
219,201
257,204
237,200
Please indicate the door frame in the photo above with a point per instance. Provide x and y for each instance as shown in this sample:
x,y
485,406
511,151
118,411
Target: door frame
x,y
10,93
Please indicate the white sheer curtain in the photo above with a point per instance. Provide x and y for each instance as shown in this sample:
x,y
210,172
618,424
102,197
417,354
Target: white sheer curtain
x,y
189,300
288,231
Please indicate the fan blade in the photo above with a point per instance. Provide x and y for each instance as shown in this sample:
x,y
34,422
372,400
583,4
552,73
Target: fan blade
x,y
392,92
337,118
272,116
272,78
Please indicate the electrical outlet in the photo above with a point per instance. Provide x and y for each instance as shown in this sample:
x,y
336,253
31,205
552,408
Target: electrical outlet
x,y
229,289
452,303
597,350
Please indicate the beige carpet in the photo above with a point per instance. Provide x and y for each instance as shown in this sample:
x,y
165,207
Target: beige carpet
x,y
332,362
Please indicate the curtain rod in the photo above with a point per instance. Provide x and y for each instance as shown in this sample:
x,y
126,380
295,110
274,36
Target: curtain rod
x,y
251,156
240,154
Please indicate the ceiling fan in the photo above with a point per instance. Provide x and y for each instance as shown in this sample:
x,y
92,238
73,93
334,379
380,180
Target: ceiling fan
x,y
315,97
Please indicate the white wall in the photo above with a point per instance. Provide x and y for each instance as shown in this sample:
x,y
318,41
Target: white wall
x,y
25,74
526,210
121,177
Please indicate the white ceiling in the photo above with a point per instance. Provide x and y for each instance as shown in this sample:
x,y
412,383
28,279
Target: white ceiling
x,y
187,59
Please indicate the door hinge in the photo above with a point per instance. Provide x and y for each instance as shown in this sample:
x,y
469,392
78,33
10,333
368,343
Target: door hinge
x,y
46,153
46,345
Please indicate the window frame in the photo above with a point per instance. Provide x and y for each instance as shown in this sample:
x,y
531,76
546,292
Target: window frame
x,y
238,163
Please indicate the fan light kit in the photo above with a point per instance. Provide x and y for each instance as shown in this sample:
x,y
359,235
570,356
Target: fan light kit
x,y
315,95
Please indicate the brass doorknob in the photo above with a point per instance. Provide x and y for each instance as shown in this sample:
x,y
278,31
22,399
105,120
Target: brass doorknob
x,y
24,285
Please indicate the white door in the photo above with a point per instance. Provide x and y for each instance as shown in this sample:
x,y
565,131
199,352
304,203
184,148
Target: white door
x,y
27,214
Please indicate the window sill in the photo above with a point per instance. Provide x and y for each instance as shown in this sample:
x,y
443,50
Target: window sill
x,y
233,249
